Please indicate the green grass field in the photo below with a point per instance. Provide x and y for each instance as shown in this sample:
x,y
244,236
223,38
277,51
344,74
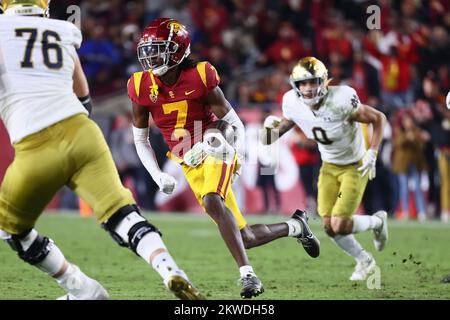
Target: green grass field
x,y
412,265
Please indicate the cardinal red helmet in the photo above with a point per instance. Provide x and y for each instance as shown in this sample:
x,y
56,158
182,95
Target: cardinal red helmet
x,y
163,45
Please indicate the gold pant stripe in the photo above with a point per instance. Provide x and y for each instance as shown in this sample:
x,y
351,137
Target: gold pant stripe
x,y
222,179
213,176
230,174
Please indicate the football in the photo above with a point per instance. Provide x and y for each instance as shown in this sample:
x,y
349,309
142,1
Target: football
x,y
223,128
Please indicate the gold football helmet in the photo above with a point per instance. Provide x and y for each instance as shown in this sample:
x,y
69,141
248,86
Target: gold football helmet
x,y
25,7
310,68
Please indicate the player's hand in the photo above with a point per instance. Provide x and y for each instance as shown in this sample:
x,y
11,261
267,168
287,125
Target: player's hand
x,y
165,182
368,164
272,122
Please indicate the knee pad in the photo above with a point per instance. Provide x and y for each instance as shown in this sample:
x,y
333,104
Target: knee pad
x,y
36,252
127,229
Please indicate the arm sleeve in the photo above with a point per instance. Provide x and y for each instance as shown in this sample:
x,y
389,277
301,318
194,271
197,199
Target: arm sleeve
x,y
145,151
232,118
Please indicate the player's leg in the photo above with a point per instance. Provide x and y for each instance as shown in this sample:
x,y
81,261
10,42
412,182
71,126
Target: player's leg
x,y
351,190
260,234
229,229
211,183
227,225
254,235
328,194
344,222
348,243
98,183
131,230
31,181
41,252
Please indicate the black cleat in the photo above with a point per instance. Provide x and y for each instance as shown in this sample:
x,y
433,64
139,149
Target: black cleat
x,y
251,286
306,238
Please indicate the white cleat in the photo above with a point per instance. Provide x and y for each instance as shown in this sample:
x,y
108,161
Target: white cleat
x,y
99,293
380,235
363,269
83,288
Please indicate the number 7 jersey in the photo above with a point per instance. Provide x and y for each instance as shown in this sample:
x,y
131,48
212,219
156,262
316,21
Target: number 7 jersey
x,y
178,110
340,141
37,61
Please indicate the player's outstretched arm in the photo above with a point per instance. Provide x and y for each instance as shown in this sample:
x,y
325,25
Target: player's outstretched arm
x,y
165,182
367,114
274,128
80,86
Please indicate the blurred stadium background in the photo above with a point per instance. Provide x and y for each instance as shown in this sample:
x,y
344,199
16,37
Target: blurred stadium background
x,y
402,69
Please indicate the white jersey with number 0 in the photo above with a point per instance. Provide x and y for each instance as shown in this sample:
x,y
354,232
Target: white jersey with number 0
x,y
37,60
340,141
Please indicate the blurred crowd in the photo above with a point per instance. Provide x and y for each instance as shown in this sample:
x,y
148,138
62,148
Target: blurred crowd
x,y
401,66
241,37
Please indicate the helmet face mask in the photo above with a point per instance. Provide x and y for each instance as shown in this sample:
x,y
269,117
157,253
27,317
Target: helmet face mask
x,y
163,45
311,75
26,7
310,91
155,55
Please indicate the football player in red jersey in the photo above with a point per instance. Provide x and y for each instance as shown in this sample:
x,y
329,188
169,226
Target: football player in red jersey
x,y
184,99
